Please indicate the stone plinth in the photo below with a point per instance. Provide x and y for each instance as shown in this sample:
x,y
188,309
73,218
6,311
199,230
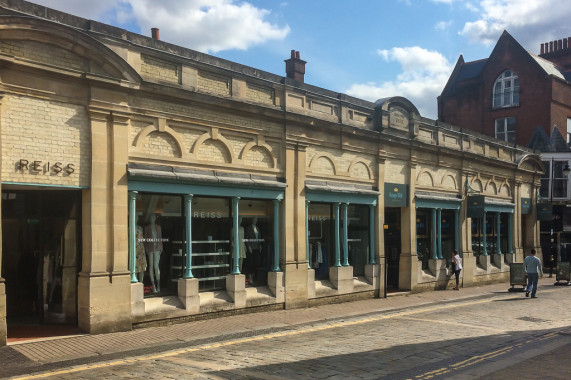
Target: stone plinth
x,y
188,294
137,299
236,289
276,285
342,279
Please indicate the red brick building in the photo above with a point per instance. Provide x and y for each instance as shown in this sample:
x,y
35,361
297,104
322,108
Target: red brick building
x,y
513,95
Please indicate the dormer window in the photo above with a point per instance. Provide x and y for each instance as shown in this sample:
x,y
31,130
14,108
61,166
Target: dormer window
x,y
506,90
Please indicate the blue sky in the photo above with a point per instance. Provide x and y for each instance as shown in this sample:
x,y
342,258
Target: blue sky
x,y
366,48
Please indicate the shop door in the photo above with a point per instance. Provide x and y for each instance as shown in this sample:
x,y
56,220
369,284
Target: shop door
x,y
392,246
40,260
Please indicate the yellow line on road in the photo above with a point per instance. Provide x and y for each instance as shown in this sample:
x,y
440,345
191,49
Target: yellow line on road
x,y
253,339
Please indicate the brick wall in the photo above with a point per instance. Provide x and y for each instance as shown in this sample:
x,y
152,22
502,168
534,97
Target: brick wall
x,y
46,131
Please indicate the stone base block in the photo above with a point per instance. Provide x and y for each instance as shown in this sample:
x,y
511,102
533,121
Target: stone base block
x,y
236,289
372,275
499,262
311,283
188,294
3,328
137,299
437,268
277,285
342,279
485,262
510,258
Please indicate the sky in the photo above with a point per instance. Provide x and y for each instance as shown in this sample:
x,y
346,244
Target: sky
x,y
369,49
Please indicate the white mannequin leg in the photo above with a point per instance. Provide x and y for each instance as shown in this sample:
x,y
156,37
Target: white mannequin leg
x,y
156,259
151,265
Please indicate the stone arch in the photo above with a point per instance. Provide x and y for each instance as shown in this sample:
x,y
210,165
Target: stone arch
x,y
222,142
325,157
70,39
425,178
354,168
144,134
261,146
476,185
449,182
492,188
531,161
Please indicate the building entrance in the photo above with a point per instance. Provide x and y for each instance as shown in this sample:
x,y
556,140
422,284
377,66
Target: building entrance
x,y
40,256
392,246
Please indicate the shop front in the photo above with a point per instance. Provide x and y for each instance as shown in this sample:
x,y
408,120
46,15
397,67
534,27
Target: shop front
x,y
187,229
339,239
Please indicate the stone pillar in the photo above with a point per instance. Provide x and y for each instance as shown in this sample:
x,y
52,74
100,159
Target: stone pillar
x,y
104,291
3,328
379,231
408,261
295,265
468,259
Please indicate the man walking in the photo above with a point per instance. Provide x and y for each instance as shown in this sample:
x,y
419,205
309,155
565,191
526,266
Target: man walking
x,y
533,270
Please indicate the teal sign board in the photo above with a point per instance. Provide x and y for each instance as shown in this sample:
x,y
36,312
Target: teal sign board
x,y
544,212
476,206
396,195
526,205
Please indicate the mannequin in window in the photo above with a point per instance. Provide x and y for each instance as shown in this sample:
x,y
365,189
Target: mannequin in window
x,y
253,247
241,244
154,248
141,258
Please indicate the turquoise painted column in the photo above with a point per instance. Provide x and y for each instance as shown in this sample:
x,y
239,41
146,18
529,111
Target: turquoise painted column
x,y
510,233
337,226
236,247
188,247
345,236
372,234
276,267
439,221
498,237
132,234
456,238
484,247
307,247
433,230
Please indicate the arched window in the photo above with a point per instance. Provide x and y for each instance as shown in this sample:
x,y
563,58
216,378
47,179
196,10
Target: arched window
x,y
506,90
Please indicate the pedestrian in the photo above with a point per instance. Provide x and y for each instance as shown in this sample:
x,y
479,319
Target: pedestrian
x,y
457,267
532,267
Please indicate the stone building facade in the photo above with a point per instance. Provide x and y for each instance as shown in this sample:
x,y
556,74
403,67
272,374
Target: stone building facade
x,y
142,182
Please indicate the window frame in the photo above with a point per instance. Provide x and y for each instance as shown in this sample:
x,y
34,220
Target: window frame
x,y
505,91
506,133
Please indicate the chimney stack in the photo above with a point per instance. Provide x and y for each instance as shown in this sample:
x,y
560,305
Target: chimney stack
x,y
295,67
155,33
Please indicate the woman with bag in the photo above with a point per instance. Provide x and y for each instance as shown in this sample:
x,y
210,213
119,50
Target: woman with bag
x,y
457,267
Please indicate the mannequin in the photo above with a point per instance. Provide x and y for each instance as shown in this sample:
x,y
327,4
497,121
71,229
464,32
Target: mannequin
x,y
241,244
153,248
141,258
253,247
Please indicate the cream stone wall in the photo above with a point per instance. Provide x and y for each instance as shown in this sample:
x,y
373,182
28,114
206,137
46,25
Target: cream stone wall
x,y
213,83
42,53
259,94
327,162
51,132
396,171
159,69
431,178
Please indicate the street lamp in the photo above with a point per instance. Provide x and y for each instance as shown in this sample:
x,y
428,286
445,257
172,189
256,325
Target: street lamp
x,y
566,170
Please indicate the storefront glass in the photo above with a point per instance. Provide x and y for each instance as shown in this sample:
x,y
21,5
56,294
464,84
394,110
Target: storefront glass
x,y
423,236
358,238
321,238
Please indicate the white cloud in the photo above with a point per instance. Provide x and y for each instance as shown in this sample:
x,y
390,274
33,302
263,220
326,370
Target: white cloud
x,y
204,25
443,25
531,22
422,78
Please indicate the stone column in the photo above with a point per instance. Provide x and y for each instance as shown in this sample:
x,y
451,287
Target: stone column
x,y
293,244
3,328
379,231
104,291
408,261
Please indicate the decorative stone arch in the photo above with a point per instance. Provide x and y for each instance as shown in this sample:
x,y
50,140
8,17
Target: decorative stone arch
x,y
328,156
504,186
161,128
70,39
260,143
492,187
477,185
530,161
449,178
425,172
213,134
360,161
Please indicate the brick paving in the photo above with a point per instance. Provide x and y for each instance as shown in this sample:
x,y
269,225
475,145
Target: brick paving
x,y
55,353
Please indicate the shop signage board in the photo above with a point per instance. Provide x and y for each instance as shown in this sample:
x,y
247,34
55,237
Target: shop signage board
x,y
517,275
525,206
544,212
563,271
396,195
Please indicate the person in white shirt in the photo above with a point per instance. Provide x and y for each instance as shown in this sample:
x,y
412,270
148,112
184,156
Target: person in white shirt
x,y
457,267
533,270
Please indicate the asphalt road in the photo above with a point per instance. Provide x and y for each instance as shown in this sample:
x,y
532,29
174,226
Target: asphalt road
x,y
501,336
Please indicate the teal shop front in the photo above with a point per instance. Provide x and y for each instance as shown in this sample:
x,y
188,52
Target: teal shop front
x,y
339,229
492,225
203,225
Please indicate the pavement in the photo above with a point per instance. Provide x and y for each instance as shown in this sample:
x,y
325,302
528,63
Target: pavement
x,y
47,354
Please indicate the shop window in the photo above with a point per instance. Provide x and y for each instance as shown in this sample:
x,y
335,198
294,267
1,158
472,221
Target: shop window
x,y
506,90
545,180
505,129
321,238
447,233
423,236
358,238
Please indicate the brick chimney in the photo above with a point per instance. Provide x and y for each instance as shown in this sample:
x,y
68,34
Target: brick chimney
x,y
558,52
155,33
295,67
